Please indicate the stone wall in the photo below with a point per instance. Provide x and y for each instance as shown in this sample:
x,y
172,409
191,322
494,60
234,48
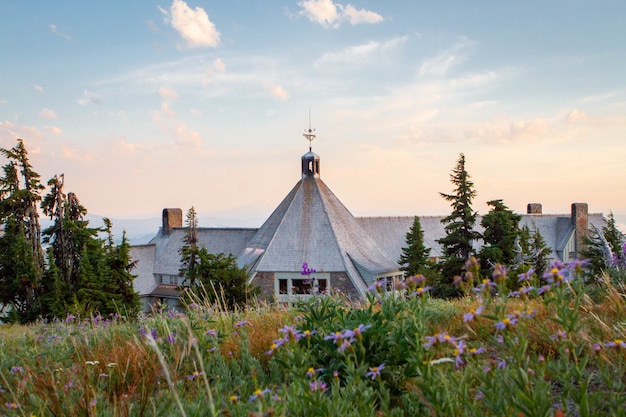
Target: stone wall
x,y
340,281
265,281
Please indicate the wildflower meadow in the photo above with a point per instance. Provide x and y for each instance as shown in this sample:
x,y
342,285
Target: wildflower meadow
x,y
554,346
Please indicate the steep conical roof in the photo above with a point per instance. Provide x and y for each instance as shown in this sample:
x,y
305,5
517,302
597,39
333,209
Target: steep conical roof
x,y
311,225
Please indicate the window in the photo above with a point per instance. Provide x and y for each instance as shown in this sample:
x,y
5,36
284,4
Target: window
x,y
294,284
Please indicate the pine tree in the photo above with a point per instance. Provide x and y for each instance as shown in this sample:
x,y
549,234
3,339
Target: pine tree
x,y
68,235
540,253
457,245
21,257
615,238
189,250
209,277
500,235
414,257
119,266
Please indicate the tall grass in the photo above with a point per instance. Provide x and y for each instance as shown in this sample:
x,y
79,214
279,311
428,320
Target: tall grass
x,y
399,354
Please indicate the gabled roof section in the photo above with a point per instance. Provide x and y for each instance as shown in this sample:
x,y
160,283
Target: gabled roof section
x,y
216,240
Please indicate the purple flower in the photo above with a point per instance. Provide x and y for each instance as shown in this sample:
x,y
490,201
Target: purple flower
x,y
472,314
578,265
242,323
258,394
484,286
70,318
374,371
195,375
526,276
103,375
17,370
358,332
211,332
458,353
306,270
617,343
559,335
154,335
502,364
318,386
11,406
291,333
506,323
439,338
171,338
476,351
419,292
544,289
345,345
499,274
377,286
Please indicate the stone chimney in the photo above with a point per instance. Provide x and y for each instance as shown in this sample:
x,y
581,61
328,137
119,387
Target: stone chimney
x,y
580,220
533,208
172,217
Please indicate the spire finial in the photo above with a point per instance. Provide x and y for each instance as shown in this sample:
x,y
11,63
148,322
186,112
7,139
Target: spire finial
x,y
308,134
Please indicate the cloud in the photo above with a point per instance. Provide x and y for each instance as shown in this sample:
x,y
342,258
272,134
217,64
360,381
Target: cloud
x,y
53,129
10,131
278,92
441,64
3,101
356,17
53,28
577,117
359,53
186,136
168,93
505,131
350,54
38,88
217,66
48,114
89,98
330,14
192,24
167,120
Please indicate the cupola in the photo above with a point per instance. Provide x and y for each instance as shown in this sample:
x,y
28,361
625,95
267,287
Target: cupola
x,y
310,160
310,165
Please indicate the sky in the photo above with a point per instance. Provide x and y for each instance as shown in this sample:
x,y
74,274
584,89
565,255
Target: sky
x,y
144,105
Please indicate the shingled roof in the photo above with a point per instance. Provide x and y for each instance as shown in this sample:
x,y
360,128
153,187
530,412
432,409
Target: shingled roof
x,y
311,225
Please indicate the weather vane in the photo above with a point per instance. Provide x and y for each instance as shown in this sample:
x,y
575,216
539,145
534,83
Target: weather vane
x,y
308,134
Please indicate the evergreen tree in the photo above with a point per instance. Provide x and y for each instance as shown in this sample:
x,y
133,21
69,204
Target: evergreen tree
x,y
414,257
189,250
85,273
209,277
596,252
457,244
120,279
21,257
604,249
615,239
500,236
67,237
541,253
